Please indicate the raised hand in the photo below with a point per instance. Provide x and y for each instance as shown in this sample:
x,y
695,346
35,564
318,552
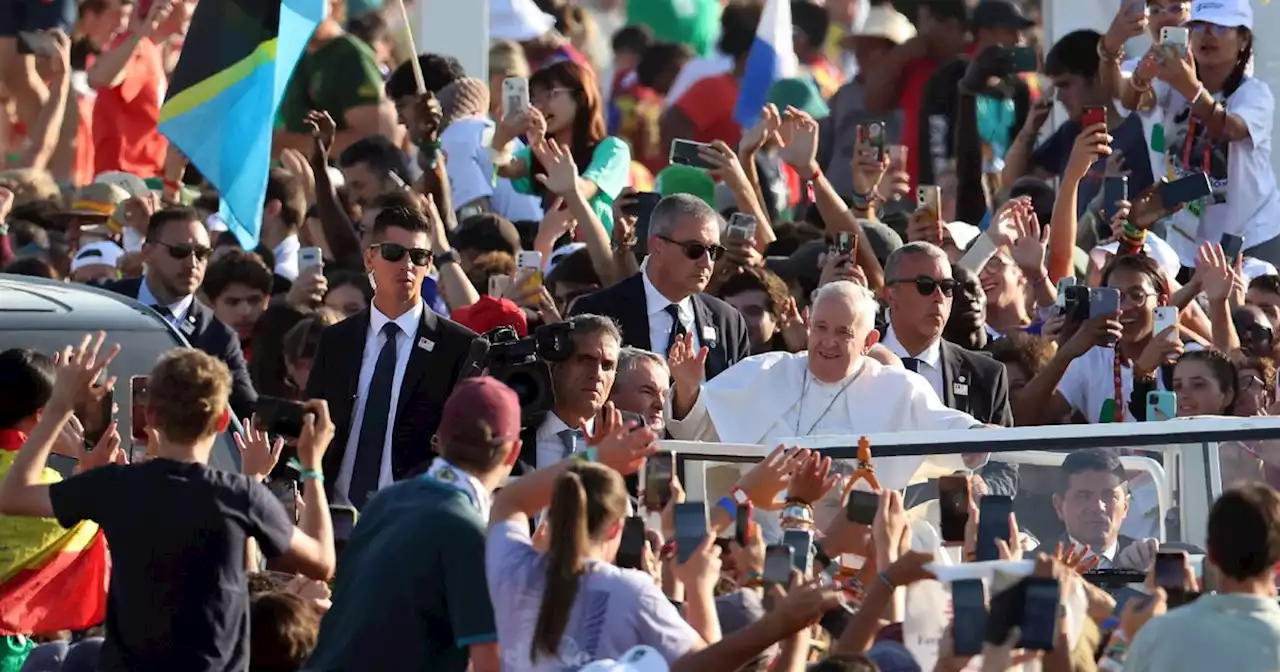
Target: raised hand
x,y
1215,273
688,364
77,370
106,451
769,478
725,165
812,479
323,130
619,446
1077,557
1092,143
1032,246
428,117
868,170
317,433
800,132
795,326
258,453
766,129
562,172
1004,228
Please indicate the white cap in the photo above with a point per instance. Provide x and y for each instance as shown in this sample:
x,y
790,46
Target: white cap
x,y
887,22
131,183
962,233
102,253
558,255
637,659
518,20
1225,13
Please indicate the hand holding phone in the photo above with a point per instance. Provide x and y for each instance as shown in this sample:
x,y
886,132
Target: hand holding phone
x,y
953,507
279,417
689,153
691,529
741,227
631,546
659,470
861,507
138,401
993,523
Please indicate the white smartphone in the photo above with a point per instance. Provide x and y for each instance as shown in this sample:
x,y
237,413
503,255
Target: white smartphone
x,y
515,95
530,261
1165,317
498,285
310,256
1174,41
929,197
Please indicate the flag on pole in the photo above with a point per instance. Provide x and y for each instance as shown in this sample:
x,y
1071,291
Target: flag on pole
x,y
772,58
51,578
223,96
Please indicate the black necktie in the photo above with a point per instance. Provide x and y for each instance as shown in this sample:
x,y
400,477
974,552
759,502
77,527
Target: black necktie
x,y
912,364
571,439
373,426
163,310
677,327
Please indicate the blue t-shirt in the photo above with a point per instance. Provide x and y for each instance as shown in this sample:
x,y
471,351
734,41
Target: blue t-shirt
x,y
1052,156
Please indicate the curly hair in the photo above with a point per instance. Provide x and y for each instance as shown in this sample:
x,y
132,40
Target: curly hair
x,y
758,280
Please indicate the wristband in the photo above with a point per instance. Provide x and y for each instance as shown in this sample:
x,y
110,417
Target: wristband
x,y
739,495
753,580
860,201
883,577
730,507
310,475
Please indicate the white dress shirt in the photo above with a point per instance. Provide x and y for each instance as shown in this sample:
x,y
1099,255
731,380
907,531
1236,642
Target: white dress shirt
x,y
550,447
286,256
373,342
930,360
660,320
177,310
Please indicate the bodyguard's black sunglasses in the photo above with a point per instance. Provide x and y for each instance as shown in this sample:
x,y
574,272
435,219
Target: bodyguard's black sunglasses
x,y
394,252
696,251
184,250
926,285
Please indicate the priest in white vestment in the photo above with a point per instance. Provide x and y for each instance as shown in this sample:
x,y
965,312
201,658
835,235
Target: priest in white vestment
x,y
833,389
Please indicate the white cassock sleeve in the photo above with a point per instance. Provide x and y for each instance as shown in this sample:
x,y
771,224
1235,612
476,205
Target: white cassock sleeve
x,y
928,413
696,426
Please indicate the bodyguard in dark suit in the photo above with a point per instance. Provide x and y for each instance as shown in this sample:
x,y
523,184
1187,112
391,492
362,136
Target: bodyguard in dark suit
x,y
665,300
176,254
388,371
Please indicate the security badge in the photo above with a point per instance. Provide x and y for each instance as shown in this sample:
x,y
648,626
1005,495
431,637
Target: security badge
x,y
708,334
960,387
188,327
426,344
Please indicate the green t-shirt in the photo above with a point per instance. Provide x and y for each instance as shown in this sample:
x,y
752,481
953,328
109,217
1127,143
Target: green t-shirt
x,y
610,170
339,76
692,22
14,650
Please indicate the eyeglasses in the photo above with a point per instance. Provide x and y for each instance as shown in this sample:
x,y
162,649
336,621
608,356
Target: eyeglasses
x,y
544,95
1135,296
1209,28
926,285
1172,8
395,252
695,251
184,250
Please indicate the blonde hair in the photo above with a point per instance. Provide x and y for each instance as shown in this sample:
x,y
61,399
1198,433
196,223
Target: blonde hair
x,y
187,394
507,59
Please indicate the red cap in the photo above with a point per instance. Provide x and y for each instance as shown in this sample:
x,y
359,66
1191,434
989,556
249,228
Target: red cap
x,y
489,313
477,403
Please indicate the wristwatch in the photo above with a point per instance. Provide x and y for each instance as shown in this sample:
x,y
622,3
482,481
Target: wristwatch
x,y
446,257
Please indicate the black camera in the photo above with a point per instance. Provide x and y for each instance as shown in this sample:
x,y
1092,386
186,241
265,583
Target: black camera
x,y
524,364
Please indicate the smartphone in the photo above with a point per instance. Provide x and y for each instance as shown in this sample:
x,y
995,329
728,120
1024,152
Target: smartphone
x,y
1114,189
897,156
742,524
279,417
691,528
1063,284
344,521
1093,115
993,523
777,564
63,464
741,227
953,507
1023,59
96,417
929,197
1232,246
631,546
845,245
530,260
1161,405
39,44
801,544
515,96
498,284
1040,613
1174,41
872,135
286,490
138,409
310,256
1103,301
1166,317
659,469
969,606
688,153
642,209
861,507
1077,303
1185,190
1170,569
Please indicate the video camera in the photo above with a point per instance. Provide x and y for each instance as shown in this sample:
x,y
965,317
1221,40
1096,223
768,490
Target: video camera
x,y
524,364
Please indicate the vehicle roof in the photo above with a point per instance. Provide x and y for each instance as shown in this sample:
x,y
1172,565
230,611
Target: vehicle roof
x,y
28,303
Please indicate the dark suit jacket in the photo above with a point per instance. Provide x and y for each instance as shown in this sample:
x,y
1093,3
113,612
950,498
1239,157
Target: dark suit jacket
x,y
975,383
429,378
205,331
625,303
1051,546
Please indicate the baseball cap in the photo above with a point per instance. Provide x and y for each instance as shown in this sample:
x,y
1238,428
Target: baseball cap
x,y
678,179
637,659
800,93
1225,13
884,22
97,200
489,313
102,253
1000,14
477,404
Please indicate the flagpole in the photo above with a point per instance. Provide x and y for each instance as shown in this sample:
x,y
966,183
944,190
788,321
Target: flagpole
x,y
413,58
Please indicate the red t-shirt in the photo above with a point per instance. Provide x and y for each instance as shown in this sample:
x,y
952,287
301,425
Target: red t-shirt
x,y
709,105
914,78
639,108
126,116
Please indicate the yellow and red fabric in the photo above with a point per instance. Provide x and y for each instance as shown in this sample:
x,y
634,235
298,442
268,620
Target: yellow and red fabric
x,y
51,578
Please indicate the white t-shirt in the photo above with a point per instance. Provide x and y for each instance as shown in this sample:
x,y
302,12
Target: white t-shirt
x,y
1150,120
1089,384
1245,200
465,144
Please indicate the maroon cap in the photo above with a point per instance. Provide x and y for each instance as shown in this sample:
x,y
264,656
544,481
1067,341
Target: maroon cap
x,y
481,402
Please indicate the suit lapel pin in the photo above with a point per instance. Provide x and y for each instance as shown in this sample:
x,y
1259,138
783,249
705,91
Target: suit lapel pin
x,y
189,325
427,344
708,334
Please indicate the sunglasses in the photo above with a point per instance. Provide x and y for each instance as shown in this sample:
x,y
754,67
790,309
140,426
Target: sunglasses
x,y
1209,28
926,285
695,251
184,250
395,252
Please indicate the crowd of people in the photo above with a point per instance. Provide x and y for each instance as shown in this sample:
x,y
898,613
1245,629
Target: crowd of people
x,y
893,241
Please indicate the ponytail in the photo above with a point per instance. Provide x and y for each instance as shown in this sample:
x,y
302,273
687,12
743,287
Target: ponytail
x,y
564,563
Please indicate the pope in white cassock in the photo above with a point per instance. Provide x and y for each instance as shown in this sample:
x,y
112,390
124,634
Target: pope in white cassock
x,y
833,389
